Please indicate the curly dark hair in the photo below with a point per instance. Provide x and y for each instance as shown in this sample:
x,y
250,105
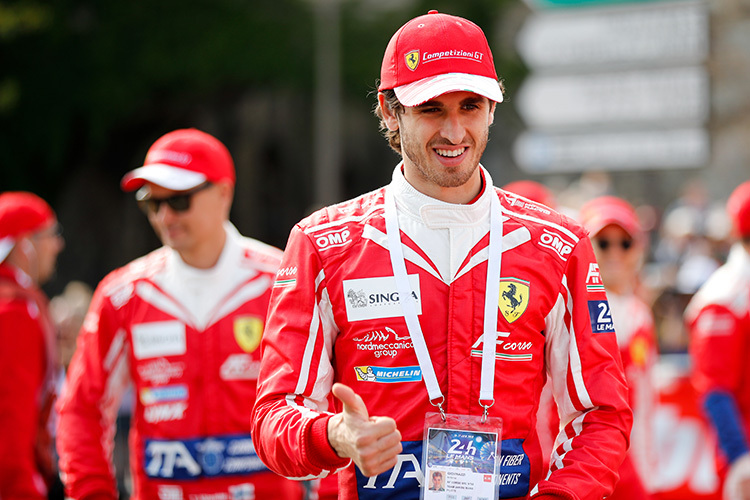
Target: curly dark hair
x,y
392,136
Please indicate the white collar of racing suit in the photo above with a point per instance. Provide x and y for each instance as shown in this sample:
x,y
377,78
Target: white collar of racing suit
x,y
436,214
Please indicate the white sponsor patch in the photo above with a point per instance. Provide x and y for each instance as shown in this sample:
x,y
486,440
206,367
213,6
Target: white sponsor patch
x,y
165,413
167,492
240,367
162,338
160,371
371,298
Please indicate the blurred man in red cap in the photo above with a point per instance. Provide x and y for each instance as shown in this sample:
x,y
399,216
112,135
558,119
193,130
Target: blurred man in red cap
x,y
29,244
182,325
718,318
620,244
437,305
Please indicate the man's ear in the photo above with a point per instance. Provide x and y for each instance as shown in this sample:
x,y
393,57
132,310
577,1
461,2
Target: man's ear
x,y
389,117
491,118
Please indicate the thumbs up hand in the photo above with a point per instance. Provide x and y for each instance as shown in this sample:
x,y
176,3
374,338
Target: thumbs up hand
x,y
373,443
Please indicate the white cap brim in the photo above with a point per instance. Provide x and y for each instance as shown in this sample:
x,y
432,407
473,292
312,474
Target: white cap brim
x,y
421,91
6,245
166,176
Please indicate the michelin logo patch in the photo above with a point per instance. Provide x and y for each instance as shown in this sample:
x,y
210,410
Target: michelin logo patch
x,y
601,317
388,374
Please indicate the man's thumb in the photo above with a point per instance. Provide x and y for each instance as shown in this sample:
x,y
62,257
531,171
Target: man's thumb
x,y
352,402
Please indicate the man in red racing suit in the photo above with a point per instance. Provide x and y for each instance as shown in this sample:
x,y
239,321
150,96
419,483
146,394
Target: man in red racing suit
x,y
332,319
185,333
336,324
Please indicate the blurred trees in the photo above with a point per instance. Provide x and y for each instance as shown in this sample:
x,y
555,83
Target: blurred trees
x,y
87,85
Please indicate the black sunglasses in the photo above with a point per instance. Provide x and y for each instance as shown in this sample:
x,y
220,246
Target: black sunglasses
x,y
624,244
178,203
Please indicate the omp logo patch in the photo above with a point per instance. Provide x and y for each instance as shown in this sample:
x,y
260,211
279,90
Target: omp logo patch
x,y
412,59
388,374
514,298
374,298
557,243
332,239
248,331
161,338
601,317
165,413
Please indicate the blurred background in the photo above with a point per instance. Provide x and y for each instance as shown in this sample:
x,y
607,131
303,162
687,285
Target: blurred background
x,y
644,100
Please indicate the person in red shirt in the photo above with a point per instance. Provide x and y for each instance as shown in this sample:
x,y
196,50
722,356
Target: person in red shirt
x,y
620,244
718,319
29,244
182,325
439,293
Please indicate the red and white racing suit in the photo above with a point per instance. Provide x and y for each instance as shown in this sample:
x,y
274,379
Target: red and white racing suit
x,y
335,316
718,317
187,339
28,374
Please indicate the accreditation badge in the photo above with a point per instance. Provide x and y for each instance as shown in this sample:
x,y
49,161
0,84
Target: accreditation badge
x,y
461,457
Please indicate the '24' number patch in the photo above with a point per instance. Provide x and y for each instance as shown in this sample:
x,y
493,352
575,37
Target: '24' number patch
x,y
601,317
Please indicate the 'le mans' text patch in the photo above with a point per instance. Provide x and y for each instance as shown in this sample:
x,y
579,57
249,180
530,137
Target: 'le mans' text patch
x,y
601,317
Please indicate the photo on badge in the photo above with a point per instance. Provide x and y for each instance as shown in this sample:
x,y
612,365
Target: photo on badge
x,y
461,457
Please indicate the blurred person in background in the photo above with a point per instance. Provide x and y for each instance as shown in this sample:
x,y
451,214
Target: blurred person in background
x,y
718,318
183,325
29,244
68,311
620,245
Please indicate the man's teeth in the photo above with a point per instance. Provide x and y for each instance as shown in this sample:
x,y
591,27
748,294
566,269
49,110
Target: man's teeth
x,y
451,153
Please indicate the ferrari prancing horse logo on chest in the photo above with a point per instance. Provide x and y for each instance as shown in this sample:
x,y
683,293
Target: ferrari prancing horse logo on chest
x,y
514,298
247,332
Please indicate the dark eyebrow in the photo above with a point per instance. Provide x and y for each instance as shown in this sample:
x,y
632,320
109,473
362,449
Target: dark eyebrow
x,y
429,104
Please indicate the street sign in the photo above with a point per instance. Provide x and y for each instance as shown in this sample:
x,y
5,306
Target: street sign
x,y
540,152
643,34
669,95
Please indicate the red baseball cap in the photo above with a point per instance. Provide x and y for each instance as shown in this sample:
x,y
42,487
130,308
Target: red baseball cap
x,y
532,190
600,212
435,54
738,208
182,160
21,213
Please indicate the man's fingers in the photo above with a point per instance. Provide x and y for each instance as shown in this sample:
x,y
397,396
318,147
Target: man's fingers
x,y
352,402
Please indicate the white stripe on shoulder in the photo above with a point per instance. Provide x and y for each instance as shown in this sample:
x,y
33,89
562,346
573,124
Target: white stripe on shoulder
x,y
576,368
537,220
338,222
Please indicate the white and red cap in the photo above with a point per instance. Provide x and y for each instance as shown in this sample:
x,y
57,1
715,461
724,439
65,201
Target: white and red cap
x,y
21,213
738,208
600,212
435,54
182,160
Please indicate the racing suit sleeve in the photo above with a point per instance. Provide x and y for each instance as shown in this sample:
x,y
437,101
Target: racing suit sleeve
x,y
290,417
588,383
97,378
23,361
717,378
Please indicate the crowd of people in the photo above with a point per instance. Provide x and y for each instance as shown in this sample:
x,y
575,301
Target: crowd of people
x,y
436,336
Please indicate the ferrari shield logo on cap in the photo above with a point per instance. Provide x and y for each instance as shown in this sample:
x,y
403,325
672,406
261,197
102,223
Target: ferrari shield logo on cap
x,y
247,332
412,59
514,297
